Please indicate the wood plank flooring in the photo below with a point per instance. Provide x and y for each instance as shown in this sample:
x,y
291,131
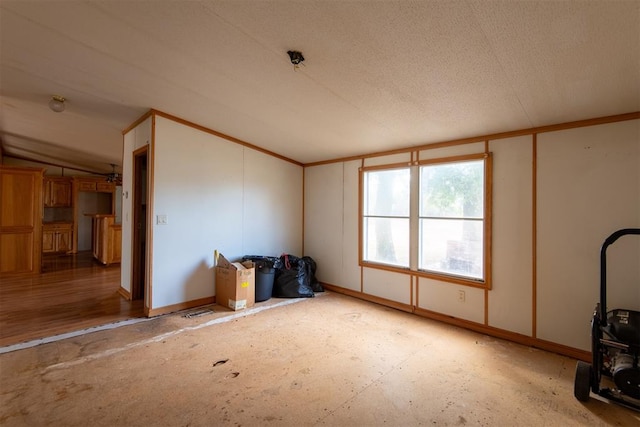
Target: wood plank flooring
x,y
73,292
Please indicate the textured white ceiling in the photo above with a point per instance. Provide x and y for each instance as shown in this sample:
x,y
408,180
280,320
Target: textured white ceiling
x,y
378,75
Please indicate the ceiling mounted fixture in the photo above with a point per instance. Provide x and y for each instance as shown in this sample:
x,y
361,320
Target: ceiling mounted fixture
x,y
296,58
114,176
57,103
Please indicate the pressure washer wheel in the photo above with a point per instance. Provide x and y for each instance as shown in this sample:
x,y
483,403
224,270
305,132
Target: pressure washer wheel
x,y
582,384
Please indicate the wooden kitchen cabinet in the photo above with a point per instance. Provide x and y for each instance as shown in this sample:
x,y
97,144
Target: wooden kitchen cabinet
x,y
56,237
84,185
48,240
106,239
94,184
91,194
57,192
20,220
105,187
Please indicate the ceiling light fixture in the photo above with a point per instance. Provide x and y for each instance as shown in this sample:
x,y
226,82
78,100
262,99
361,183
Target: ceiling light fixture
x,y
57,103
296,58
113,176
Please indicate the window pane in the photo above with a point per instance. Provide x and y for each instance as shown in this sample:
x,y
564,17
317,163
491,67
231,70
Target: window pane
x,y
386,193
453,190
452,246
386,240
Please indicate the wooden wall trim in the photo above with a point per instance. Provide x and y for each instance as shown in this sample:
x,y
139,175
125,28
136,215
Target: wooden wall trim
x,y
148,292
304,204
360,213
534,236
133,125
488,206
181,306
489,137
466,324
371,298
507,335
224,136
124,293
412,303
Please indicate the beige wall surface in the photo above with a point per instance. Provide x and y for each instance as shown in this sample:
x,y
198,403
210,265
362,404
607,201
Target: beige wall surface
x,y
551,210
588,187
136,138
216,195
510,299
324,226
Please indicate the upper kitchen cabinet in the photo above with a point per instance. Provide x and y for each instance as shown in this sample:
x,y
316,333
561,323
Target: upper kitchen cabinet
x,y
94,184
57,192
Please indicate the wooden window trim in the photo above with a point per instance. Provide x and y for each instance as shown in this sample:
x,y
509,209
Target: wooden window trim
x,y
486,282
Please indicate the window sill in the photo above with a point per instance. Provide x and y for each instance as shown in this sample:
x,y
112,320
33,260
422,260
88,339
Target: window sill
x,y
428,275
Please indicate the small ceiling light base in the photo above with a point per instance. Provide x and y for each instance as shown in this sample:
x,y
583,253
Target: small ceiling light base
x,y
57,103
114,176
296,57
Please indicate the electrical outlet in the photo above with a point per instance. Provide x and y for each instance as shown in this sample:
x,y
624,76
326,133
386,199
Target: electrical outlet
x,y
461,296
162,220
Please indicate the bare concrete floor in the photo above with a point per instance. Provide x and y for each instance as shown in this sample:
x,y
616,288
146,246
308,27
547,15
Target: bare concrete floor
x,y
331,360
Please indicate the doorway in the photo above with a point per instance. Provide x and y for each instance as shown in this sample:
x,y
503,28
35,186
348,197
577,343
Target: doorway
x,y
139,250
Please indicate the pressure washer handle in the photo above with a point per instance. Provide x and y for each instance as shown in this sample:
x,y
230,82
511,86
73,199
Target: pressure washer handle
x,y
603,268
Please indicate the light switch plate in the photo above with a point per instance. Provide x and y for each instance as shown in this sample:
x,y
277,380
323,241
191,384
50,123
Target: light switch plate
x,y
162,220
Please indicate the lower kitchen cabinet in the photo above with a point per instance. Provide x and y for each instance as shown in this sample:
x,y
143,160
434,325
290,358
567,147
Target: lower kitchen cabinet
x,y
56,237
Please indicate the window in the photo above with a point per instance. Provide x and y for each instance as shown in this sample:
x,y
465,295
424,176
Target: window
x,y
452,218
437,227
386,216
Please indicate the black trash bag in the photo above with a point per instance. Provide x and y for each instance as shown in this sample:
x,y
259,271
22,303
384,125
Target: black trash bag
x,y
311,272
261,261
292,278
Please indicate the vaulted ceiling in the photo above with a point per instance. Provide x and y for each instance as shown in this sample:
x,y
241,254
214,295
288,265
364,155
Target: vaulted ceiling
x,y
378,75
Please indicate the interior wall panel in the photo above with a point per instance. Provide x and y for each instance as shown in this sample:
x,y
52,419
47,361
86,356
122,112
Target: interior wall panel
x,y
272,208
351,271
388,159
511,296
387,284
127,184
588,182
588,187
445,298
455,150
134,139
202,185
198,185
324,212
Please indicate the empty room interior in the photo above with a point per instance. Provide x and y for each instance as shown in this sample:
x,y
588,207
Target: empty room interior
x,y
463,175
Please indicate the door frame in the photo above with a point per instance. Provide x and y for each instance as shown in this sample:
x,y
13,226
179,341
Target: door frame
x,y
140,262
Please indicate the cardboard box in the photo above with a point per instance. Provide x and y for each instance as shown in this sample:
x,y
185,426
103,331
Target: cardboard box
x,y
235,284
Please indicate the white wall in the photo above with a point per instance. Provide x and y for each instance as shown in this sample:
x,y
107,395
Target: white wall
x,y
510,299
588,185
136,138
272,206
216,195
331,222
